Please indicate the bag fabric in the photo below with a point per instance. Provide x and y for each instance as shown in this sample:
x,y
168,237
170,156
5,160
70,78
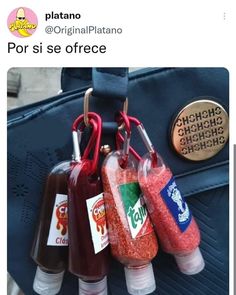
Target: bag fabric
x,y
39,136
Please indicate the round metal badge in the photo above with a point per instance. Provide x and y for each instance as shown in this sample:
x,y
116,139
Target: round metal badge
x,y
200,130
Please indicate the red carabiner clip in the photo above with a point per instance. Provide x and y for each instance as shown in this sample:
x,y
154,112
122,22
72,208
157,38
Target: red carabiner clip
x,y
94,141
122,119
145,138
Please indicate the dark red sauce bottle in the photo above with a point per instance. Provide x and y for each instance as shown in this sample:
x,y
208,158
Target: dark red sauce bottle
x,y
50,245
88,237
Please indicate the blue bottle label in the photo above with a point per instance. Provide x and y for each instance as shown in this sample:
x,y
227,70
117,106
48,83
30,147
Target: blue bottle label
x,y
176,204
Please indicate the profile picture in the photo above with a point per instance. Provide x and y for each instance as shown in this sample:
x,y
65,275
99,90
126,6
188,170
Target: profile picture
x,y
22,22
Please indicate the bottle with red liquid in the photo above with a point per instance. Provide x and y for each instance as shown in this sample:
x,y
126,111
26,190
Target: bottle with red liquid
x,y
88,235
132,239
174,224
50,246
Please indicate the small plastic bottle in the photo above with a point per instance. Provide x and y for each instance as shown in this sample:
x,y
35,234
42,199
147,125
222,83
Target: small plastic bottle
x,y
174,224
50,245
85,201
89,253
132,239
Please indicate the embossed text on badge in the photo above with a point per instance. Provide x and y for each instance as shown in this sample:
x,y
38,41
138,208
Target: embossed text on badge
x,y
200,130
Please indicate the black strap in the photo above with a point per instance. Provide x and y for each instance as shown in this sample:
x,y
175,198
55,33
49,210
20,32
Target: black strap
x,y
106,82
110,83
75,78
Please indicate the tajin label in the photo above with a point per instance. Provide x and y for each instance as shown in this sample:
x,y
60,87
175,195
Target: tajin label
x,y
136,212
58,232
176,204
97,221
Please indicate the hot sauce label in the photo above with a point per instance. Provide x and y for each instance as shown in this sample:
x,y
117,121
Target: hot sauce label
x,y
135,209
97,221
58,232
176,204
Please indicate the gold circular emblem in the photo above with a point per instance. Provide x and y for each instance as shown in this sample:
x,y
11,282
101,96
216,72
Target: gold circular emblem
x,y
200,130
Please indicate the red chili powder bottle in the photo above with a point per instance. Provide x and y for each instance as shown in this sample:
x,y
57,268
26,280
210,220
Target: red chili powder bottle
x,y
132,239
50,246
174,224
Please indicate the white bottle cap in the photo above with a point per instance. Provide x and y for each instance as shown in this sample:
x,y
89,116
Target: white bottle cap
x,y
140,281
191,263
94,288
47,283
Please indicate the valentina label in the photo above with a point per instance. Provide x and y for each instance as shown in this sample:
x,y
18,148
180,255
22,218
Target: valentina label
x,y
58,233
176,204
136,212
97,221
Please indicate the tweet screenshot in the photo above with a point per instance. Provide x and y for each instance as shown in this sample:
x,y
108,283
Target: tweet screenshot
x,y
118,147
